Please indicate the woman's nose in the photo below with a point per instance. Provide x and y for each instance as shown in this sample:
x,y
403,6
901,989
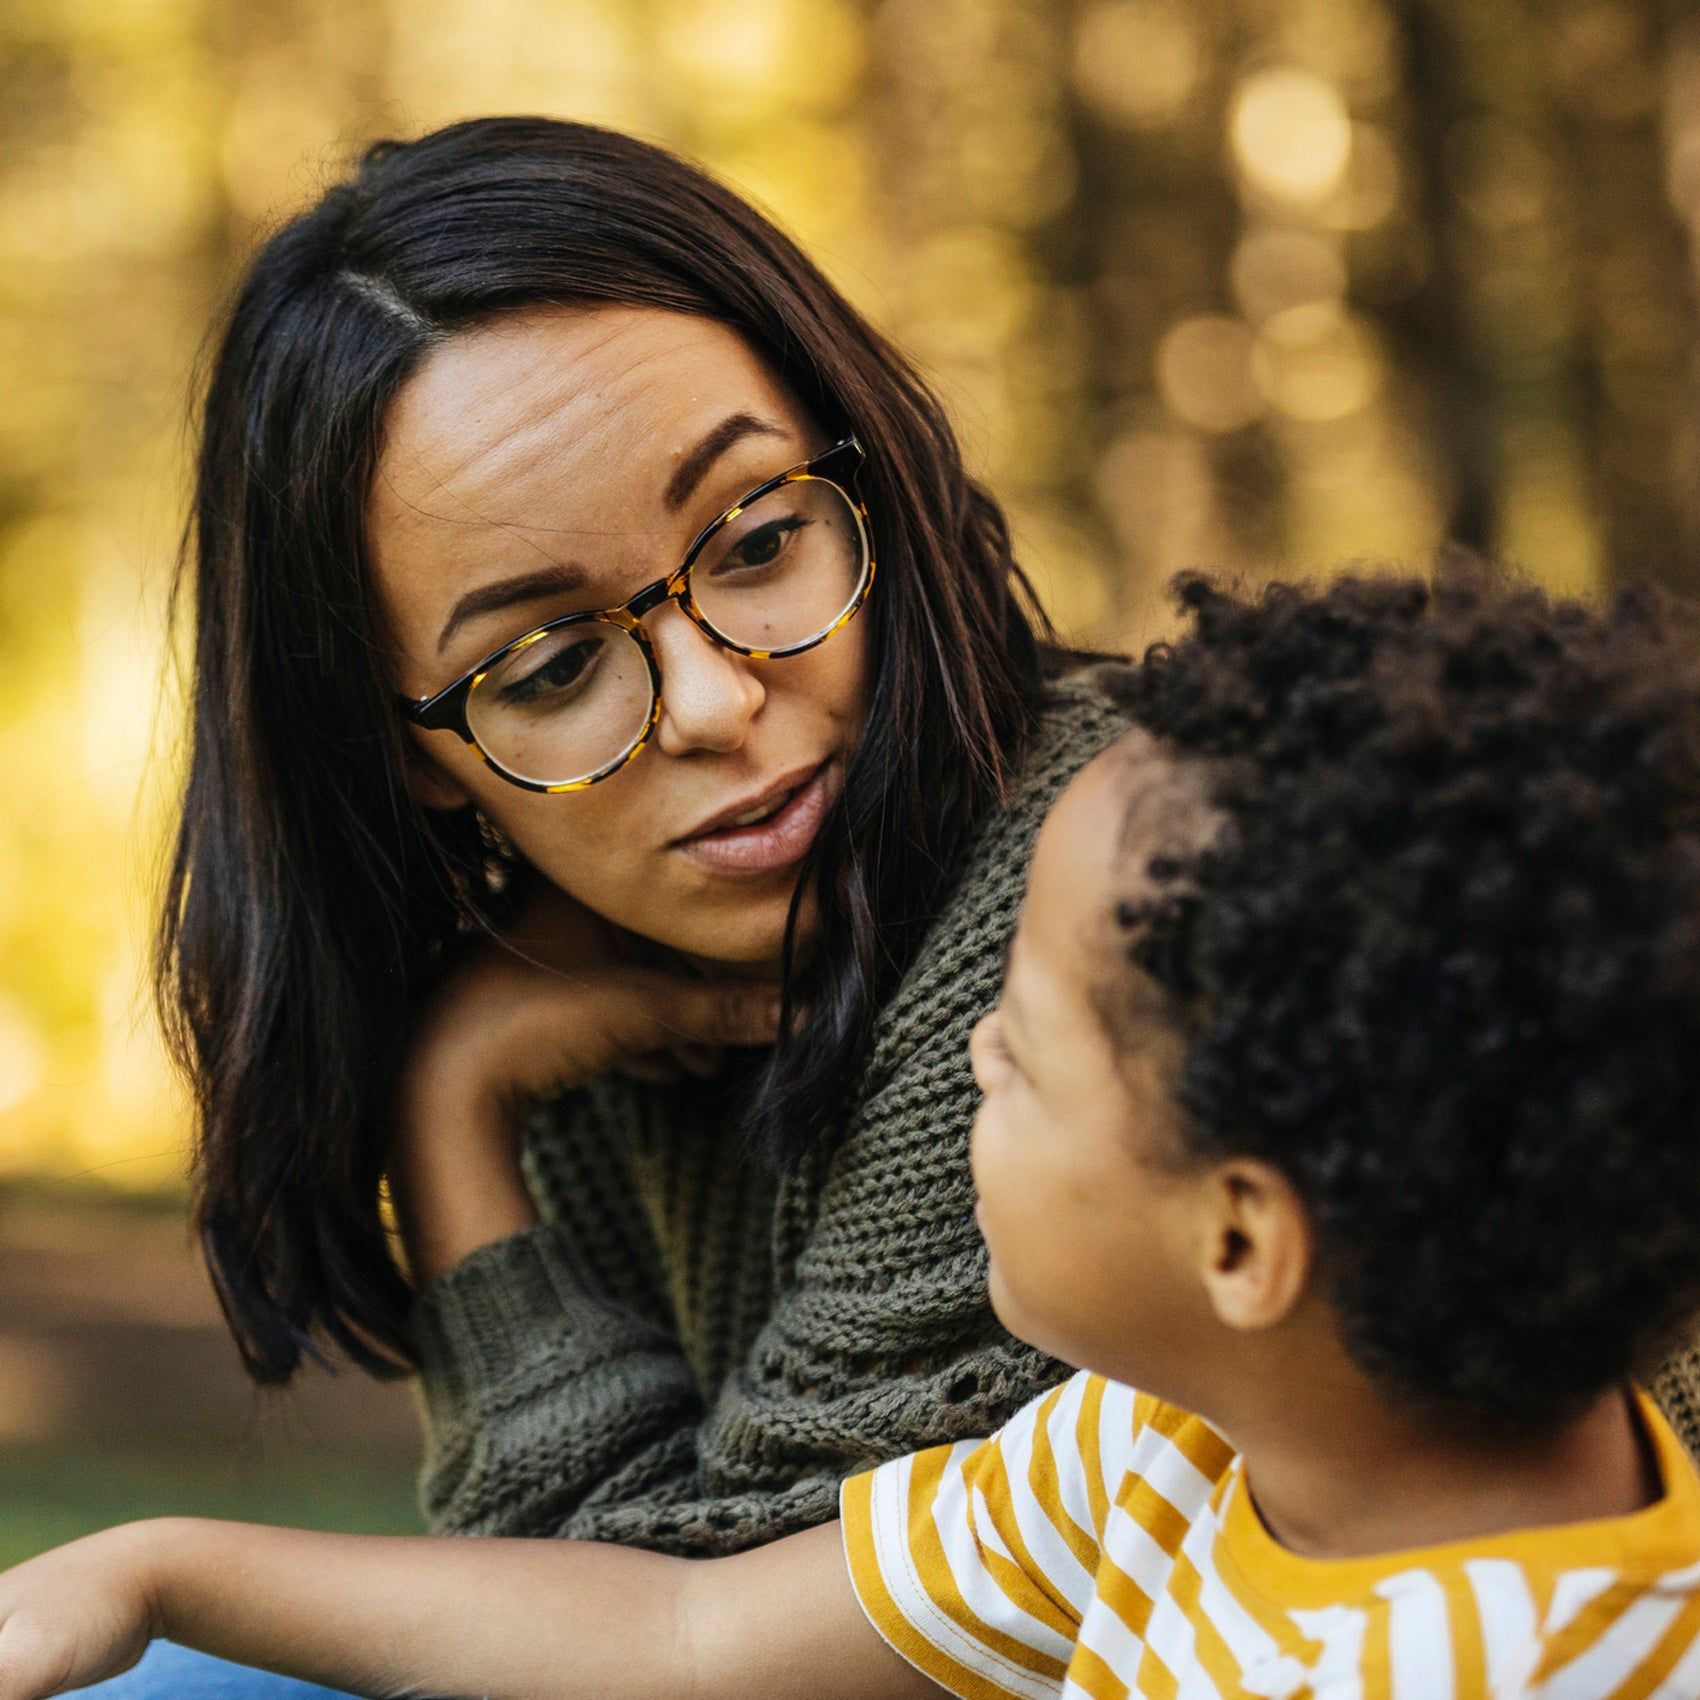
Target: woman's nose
x,y
709,695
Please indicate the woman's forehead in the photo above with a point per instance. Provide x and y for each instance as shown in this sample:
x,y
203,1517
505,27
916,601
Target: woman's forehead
x,y
563,391
550,439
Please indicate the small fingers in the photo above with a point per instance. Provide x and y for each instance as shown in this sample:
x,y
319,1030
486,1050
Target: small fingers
x,y
739,1014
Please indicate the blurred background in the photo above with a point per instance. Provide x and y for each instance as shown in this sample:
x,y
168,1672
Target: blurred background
x,y
1263,284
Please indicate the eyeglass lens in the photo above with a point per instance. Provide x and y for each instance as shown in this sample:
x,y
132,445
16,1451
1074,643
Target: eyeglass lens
x,y
775,578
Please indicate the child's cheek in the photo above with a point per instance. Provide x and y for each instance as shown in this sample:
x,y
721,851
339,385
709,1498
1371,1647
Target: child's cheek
x,y
1016,1182
988,1163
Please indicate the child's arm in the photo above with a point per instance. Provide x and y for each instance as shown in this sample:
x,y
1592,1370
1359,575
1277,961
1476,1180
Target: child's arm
x,y
504,1619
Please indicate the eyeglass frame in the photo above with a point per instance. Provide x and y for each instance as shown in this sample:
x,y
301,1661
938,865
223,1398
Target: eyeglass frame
x,y
446,710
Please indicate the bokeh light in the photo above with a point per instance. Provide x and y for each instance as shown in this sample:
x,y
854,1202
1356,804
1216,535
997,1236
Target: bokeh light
x,y
1292,134
1315,362
1275,269
1138,61
1204,373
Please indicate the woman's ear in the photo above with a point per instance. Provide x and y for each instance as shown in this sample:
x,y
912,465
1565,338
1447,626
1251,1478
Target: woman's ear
x,y
1257,1248
430,784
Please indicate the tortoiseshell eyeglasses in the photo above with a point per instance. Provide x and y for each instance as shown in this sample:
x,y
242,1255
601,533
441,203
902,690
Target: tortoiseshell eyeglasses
x,y
573,701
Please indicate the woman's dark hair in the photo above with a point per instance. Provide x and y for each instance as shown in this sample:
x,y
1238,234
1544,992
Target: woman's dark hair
x,y
1441,963
307,891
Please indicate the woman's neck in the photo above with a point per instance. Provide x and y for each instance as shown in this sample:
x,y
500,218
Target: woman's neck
x,y
713,968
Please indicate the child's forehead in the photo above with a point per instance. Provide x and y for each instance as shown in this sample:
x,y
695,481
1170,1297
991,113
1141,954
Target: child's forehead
x,y
1094,840
1130,802
1135,801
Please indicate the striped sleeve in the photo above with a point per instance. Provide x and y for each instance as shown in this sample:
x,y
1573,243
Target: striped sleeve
x,y
977,1561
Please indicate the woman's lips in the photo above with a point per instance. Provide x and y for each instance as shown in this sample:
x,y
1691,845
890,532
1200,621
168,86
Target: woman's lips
x,y
777,842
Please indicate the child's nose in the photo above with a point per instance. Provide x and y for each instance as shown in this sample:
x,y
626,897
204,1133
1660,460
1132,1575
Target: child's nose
x,y
709,695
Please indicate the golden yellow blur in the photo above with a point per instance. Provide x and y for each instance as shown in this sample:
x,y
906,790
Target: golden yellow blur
x,y
1264,286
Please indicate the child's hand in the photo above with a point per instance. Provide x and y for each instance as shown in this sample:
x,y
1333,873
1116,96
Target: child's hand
x,y
76,1615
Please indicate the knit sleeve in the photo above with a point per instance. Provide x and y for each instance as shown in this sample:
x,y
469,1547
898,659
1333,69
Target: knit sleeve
x,y
880,1339
551,1379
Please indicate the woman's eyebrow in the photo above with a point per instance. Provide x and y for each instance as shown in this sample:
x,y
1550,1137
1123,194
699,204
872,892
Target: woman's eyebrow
x,y
690,472
557,578
552,580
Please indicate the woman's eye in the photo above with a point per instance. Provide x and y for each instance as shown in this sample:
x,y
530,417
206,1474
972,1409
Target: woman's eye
x,y
763,546
562,672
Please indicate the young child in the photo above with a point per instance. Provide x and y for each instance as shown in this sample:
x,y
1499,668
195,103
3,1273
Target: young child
x,y
1343,1093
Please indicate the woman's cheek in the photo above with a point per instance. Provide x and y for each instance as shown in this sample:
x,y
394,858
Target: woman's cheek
x,y
596,845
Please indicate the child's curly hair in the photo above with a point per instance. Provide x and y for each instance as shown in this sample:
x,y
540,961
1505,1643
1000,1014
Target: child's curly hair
x,y
1442,965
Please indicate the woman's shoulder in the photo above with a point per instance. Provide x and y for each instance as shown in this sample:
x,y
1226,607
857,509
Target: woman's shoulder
x,y
955,975
1083,707
1082,710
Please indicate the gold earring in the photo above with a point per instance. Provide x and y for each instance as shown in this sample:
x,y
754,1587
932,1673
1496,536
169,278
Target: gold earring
x,y
501,854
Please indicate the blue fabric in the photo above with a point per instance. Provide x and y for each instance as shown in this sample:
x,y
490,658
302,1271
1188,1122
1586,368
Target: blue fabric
x,y
167,1672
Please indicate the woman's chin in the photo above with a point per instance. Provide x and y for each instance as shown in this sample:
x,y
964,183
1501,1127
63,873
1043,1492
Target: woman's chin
x,y
753,941
752,949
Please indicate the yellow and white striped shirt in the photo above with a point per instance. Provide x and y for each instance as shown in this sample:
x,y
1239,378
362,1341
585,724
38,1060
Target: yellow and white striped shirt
x,y
1103,1543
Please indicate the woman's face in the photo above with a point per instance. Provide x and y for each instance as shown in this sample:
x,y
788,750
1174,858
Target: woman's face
x,y
559,460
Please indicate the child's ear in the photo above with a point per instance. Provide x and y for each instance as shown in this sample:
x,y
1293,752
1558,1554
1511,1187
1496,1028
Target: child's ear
x,y
1257,1250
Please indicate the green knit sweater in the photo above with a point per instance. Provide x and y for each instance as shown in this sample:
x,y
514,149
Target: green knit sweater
x,y
691,1355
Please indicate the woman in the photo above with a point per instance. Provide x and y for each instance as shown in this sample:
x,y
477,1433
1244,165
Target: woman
x,y
573,565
